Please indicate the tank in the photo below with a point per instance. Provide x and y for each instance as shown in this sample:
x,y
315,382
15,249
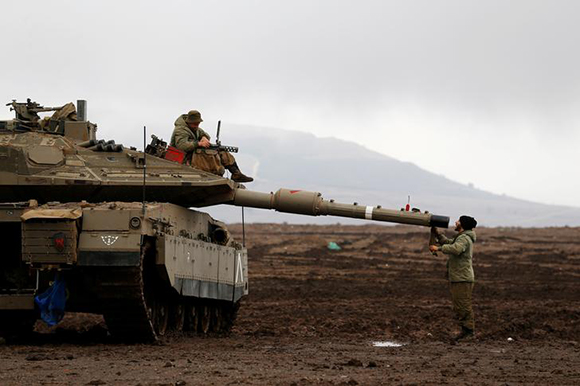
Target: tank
x,y
117,227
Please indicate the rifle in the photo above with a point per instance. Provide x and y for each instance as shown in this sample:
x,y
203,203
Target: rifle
x,y
218,144
229,149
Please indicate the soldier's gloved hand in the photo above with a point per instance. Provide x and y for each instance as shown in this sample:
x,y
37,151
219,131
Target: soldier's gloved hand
x,y
433,248
204,142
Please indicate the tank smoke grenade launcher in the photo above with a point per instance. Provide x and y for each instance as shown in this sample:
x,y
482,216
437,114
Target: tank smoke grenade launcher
x,y
113,228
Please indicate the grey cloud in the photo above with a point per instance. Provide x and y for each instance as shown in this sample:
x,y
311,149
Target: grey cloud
x,y
487,58
518,53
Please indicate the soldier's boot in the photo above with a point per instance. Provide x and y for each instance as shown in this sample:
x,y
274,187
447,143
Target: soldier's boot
x,y
465,335
237,174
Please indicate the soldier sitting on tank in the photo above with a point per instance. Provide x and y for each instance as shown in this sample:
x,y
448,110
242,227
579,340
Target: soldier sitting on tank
x,y
192,139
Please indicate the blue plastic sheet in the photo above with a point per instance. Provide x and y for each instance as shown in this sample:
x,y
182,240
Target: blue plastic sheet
x,y
52,302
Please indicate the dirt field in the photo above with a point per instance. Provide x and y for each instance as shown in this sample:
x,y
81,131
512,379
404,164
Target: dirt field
x,y
313,314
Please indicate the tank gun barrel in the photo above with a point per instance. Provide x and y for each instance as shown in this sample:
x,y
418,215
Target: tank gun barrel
x,y
45,109
312,203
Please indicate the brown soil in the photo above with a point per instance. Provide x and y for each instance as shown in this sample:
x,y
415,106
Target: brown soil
x,y
312,315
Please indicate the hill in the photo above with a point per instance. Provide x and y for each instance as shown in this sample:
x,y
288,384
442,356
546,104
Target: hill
x,y
348,172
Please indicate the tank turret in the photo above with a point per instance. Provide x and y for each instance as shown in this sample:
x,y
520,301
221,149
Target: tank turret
x,y
112,224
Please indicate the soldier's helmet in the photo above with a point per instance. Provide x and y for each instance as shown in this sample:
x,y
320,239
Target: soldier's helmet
x,y
193,116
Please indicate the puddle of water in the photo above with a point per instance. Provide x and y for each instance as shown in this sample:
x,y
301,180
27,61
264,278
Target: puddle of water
x,y
387,343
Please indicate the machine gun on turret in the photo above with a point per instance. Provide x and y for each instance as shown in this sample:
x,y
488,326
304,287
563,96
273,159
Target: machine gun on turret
x,y
28,111
67,120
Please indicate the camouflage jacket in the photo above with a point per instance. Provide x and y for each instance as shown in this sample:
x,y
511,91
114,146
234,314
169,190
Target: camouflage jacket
x,y
460,251
184,138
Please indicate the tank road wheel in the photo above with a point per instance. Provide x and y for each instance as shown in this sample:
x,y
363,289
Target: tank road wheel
x,y
216,318
177,313
161,319
191,317
204,318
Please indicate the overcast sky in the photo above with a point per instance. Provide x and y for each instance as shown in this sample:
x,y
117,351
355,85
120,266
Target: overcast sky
x,y
483,92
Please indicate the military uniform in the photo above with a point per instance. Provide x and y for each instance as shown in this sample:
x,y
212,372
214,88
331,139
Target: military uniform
x,y
184,138
460,275
210,160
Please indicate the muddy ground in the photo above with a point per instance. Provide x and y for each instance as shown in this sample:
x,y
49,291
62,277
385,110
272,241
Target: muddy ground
x,y
313,314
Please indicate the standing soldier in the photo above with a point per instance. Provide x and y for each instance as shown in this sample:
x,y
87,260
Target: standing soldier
x,y
460,271
189,137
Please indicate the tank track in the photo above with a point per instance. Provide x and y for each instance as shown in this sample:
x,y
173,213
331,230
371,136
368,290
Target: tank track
x,y
139,307
16,324
124,309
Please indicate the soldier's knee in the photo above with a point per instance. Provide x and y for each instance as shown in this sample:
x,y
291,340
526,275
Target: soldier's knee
x,y
227,159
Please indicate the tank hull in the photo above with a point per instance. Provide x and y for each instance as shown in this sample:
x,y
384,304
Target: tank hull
x,y
147,270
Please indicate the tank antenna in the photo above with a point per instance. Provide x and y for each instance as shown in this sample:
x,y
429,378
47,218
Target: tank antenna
x,y
144,166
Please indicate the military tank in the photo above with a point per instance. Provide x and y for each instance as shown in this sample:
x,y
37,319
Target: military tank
x,y
115,225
